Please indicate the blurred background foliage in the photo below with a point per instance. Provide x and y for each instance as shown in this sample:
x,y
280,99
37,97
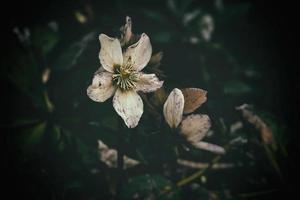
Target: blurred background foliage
x,y
51,128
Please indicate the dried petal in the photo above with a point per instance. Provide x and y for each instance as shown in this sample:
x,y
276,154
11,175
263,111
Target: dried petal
x,y
193,99
139,53
148,82
129,106
46,75
201,165
159,96
102,87
192,164
210,147
265,132
110,53
126,32
173,108
195,127
156,59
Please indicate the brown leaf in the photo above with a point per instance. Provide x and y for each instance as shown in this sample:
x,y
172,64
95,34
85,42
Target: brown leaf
x,y
159,96
156,59
193,99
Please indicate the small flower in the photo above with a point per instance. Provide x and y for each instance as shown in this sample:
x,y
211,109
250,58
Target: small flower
x,y
193,127
109,157
121,76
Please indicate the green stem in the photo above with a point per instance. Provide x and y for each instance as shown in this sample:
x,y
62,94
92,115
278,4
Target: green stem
x,y
197,174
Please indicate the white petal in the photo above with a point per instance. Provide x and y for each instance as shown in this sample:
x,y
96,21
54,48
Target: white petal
x,y
195,127
102,87
173,108
129,106
110,52
148,82
193,99
139,53
210,147
101,145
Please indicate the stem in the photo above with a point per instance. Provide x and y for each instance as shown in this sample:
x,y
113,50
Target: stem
x,y
197,174
120,161
200,172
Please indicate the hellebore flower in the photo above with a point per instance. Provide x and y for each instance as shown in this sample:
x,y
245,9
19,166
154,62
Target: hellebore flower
x,y
193,127
120,76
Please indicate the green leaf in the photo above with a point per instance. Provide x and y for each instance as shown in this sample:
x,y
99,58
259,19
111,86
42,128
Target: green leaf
x,y
236,88
234,12
110,122
45,39
34,136
155,16
70,56
56,132
162,37
24,122
149,187
22,71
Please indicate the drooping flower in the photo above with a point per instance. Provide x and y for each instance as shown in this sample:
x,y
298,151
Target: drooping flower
x,y
193,127
120,75
109,157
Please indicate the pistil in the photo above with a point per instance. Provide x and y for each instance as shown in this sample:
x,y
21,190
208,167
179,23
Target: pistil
x,y
124,77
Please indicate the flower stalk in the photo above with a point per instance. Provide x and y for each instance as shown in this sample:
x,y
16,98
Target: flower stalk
x,y
120,159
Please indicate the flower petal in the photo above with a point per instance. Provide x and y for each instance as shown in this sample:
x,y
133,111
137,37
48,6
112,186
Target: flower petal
x,y
195,127
110,52
148,82
173,108
99,70
102,87
126,32
193,99
129,106
210,147
139,53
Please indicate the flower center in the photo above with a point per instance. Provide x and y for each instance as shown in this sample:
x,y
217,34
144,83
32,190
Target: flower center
x,y
125,77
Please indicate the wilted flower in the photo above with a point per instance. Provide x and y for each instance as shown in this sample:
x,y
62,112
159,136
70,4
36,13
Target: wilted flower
x,y
121,76
193,127
265,131
110,156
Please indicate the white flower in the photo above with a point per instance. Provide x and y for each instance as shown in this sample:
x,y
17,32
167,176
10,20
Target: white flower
x,y
194,127
121,76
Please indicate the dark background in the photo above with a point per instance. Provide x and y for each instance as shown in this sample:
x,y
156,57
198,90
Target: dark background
x,y
264,37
